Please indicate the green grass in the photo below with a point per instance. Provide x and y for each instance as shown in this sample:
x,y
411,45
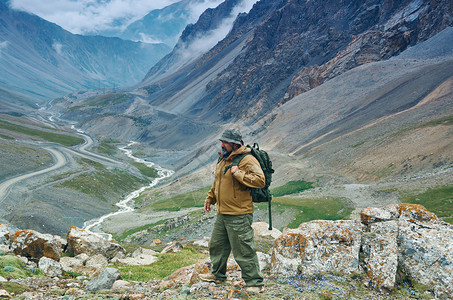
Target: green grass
x,y
190,199
6,137
63,139
106,100
442,121
102,182
10,265
127,233
167,263
291,187
310,209
106,147
147,171
438,200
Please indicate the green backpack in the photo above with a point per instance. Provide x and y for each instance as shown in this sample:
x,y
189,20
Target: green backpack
x,y
259,194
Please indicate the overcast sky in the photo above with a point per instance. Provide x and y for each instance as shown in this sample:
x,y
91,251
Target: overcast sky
x,y
84,16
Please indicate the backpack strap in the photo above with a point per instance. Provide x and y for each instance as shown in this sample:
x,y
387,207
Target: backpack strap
x,y
235,162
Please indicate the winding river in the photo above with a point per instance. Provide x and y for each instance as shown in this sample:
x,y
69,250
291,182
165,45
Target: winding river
x,y
127,205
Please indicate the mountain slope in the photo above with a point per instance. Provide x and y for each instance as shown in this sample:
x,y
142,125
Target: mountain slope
x,y
40,60
283,48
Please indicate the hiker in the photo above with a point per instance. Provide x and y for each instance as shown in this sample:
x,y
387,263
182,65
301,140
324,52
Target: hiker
x,y
232,228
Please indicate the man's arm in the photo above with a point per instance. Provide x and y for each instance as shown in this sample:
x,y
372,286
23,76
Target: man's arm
x,y
249,172
210,199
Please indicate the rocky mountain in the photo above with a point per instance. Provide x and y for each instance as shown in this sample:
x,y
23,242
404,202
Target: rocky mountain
x,y
283,48
196,39
40,61
278,52
166,25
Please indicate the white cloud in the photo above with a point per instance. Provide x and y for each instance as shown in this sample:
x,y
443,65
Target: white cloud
x,y
203,43
82,16
57,47
196,9
145,38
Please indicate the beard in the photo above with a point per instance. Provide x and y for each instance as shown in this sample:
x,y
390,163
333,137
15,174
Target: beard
x,y
225,152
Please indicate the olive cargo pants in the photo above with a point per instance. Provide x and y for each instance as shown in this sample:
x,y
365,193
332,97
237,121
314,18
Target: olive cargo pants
x,y
235,233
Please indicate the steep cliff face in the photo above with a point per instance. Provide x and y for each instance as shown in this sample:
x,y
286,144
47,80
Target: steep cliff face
x,y
283,48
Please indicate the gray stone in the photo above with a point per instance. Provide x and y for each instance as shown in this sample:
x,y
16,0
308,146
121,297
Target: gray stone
x,y
173,247
381,254
426,255
4,237
49,266
82,241
97,261
261,229
105,280
318,246
69,264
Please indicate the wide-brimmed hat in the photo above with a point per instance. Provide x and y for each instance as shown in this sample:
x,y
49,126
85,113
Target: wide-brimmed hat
x,y
232,136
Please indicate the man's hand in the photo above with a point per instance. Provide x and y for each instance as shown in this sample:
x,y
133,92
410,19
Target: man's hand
x,y
234,169
207,207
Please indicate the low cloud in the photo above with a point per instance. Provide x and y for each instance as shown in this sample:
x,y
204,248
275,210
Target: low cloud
x,y
208,40
84,16
57,47
196,9
146,38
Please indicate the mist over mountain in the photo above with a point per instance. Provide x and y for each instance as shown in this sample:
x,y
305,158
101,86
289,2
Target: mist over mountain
x,y
283,48
276,51
39,60
164,25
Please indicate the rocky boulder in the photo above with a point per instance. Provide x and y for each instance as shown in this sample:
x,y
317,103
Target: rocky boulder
x,y
35,245
140,256
50,267
403,237
261,230
318,246
4,237
82,241
105,280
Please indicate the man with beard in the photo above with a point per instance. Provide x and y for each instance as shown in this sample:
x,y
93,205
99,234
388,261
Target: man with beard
x,y
232,228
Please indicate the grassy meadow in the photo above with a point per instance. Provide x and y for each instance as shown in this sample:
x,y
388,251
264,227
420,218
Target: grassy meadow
x,y
54,137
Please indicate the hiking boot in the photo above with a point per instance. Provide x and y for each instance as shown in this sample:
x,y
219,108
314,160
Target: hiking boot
x,y
254,289
209,277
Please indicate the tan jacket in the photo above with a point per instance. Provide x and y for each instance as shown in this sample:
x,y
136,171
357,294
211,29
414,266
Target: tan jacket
x,y
229,191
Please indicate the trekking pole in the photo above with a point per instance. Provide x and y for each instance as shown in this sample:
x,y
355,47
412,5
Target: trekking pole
x,y
270,214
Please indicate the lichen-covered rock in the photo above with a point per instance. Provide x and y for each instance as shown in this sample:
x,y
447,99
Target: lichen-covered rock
x,y
4,237
373,214
82,241
35,245
50,267
380,248
415,213
318,246
426,254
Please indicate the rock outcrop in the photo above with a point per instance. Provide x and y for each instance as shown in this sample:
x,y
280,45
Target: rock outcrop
x,y
81,241
35,245
403,237
383,246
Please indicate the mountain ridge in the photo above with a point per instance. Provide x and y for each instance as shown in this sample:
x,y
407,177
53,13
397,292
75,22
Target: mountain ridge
x,y
41,61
